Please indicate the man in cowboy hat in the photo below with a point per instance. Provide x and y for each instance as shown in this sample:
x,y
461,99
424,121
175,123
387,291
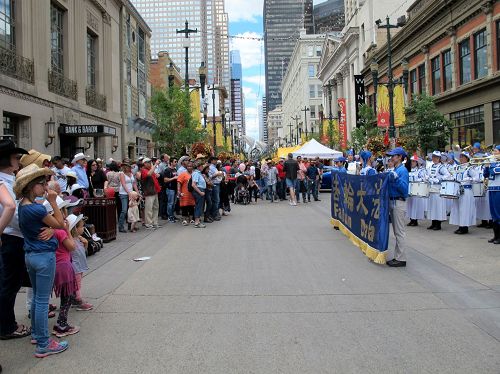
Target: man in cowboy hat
x,y
79,161
60,170
34,157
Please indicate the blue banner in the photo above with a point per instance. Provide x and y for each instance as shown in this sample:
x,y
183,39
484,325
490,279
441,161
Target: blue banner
x,y
360,209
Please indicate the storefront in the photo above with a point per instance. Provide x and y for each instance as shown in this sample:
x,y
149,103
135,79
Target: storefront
x,y
81,138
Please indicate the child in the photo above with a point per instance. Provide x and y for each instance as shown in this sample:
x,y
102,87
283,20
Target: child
x,y
272,180
133,210
65,284
79,260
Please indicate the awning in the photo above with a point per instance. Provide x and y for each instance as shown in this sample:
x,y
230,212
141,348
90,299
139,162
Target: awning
x,y
141,124
87,130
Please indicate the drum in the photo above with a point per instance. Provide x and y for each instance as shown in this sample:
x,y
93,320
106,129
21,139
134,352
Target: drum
x,y
435,188
478,189
450,189
419,189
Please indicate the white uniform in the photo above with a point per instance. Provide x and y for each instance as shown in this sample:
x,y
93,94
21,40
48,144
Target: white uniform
x,y
436,205
367,171
415,206
452,169
463,210
352,168
482,203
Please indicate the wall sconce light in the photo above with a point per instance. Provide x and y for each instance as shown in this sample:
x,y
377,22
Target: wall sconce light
x,y
51,132
115,144
89,142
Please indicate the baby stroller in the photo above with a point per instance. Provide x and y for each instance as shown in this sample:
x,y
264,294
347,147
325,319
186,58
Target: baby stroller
x,y
242,193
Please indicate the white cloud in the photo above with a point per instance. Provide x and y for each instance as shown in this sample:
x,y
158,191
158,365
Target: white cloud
x,y
255,79
252,122
251,50
249,94
243,10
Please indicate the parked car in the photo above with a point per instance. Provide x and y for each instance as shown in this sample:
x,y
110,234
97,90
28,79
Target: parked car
x,y
326,180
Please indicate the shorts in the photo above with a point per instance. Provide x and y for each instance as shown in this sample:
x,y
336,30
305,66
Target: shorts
x,y
290,183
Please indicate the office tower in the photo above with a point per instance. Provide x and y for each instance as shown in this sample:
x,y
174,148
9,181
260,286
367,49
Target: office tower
x,y
236,92
283,20
210,44
329,16
262,113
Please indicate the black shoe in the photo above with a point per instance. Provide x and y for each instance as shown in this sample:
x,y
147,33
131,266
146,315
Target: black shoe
x,y
336,228
396,264
317,200
436,228
431,227
483,223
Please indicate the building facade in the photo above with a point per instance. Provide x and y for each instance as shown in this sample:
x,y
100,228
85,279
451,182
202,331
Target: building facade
x,y
163,69
302,90
275,127
283,20
236,93
454,58
329,16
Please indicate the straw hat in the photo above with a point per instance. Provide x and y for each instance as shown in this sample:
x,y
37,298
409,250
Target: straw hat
x,y
71,174
26,175
34,157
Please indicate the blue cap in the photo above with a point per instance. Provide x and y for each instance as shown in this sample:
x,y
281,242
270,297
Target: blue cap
x,y
340,159
397,151
477,145
350,152
365,155
497,147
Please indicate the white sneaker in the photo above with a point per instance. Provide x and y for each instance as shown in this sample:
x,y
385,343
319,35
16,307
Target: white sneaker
x,y
149,227
294,204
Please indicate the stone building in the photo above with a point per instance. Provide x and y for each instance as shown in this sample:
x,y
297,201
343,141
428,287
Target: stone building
x,y
275,127
60,75
163,69
452,52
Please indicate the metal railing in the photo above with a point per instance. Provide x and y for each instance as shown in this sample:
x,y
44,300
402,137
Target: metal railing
x,y
95,99
63,86
16,66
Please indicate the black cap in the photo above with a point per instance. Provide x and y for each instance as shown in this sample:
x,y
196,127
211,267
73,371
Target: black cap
x,y
7,147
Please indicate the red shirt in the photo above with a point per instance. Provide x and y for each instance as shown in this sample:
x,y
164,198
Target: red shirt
x,y
281,171
145,174
62,254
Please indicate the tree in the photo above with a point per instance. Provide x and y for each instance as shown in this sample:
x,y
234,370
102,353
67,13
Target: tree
x,y
367,128
426,129
176,128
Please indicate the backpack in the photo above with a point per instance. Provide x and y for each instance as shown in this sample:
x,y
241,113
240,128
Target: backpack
x,y
190,185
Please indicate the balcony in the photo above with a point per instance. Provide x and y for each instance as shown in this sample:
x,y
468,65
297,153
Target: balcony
x,y
16,66
95,99
63,86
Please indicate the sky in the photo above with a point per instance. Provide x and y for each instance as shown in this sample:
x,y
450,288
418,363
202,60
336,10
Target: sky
x,y
245,20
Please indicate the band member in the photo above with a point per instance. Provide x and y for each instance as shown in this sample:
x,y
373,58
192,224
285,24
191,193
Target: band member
x,y
451,165
482,202
436,205
416,204
492,172
463,210
352,165
398,192
339,165
366,161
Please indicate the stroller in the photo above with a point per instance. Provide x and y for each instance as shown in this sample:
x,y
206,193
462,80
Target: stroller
x,y
242,193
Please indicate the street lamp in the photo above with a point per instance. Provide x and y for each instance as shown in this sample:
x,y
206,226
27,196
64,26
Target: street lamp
x,y
305,110
186,31
296,119
203,78
213,89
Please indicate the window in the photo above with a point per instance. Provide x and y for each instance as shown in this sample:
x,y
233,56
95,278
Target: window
x,y
496,122
318,51
311,70
421,79
436,75
320,91
464,58
91,60
141,47
310,51
312,91
7,21
129,72
313,111
413,82
56,38
468,126
129,32
480,55
10,127
363,33
498,45
447,71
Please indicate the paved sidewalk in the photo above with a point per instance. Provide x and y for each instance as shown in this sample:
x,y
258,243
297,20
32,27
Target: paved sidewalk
x,y
274,289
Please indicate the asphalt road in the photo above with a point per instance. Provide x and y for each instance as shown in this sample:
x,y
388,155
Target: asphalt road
x,y
274,289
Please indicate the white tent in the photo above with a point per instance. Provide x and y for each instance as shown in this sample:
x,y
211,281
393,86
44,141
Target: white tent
x,y
314,149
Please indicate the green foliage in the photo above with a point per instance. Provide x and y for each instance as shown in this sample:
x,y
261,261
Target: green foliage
x,y
176,128
368,128
426,129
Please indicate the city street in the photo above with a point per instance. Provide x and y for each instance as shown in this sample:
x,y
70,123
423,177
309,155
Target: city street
x,y
274,289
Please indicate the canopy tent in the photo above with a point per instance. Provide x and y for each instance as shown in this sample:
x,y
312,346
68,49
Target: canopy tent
x,y
283,152
315,149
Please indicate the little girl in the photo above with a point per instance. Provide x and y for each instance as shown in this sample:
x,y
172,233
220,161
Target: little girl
x,y
79,259
133,210
65,285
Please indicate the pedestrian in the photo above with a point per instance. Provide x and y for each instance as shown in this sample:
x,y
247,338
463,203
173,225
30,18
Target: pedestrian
x,y
416,204
366,163
272,181
96,178
60,170
80,162
398,192
291,168
185,197
162,197
301,180
208,195
281,184
198,185
150,190
113,177
436,205
170,176
127,186
492,172
31,187
313,181
216,178
264,172
133,211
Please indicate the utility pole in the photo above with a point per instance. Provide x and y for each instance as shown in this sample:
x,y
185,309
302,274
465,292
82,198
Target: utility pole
x,y
305,110
296,119
291,133
186,31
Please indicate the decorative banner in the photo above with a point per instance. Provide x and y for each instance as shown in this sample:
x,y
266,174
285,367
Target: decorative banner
x,y
342,122
360,209
399,106
382,106
359,94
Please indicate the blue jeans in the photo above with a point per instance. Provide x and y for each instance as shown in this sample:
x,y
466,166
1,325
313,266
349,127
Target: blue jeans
x,y
281,189
123,213
271,190
312,188
264,188
171,199
41,269
215,200
199,205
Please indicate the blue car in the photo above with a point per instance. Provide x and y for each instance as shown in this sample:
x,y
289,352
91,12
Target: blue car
x,y
326,180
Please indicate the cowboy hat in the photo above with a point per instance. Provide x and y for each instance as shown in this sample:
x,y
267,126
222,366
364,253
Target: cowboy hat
x,y
75,187
71,174
28,174
34,157
73,220
72,201
7,147
79,156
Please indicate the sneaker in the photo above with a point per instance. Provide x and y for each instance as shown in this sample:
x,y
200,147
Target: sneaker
x,y
191,222
61,332
185,223
217,218
171,220
294,204
53,348
200,225
150,227
157,226
84,307
96,238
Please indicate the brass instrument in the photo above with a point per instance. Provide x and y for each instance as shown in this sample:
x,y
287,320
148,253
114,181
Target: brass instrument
x,y
487,160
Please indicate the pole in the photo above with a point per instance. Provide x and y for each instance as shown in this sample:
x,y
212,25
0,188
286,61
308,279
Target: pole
x,y
186,31
296,119
390,87
291,133
305,110
213,118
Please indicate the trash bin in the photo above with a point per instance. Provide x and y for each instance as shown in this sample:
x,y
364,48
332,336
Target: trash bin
x,y
101,212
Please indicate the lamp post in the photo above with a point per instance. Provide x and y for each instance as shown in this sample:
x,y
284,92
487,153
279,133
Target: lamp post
x,y
305,110
291,133
391,83
213,89
186,31
296,119
203,78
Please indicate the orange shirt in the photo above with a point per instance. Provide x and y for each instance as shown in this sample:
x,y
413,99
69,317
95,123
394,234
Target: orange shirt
x,y
187,198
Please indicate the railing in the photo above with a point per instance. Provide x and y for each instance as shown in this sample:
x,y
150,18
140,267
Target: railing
x,y
95,99
63,86
16,66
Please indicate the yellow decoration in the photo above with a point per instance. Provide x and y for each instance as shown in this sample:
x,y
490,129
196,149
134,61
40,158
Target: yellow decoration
x,y
399,106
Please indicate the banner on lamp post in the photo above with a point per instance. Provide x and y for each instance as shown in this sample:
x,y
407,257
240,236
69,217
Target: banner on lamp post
x,y
359,94
342,122
382,106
